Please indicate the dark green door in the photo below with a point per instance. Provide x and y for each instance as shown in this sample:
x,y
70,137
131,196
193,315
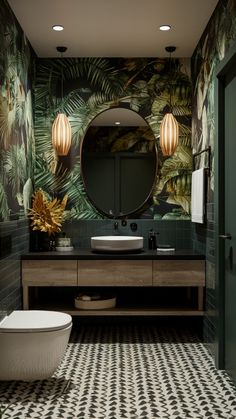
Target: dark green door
x,y
229,234
226,219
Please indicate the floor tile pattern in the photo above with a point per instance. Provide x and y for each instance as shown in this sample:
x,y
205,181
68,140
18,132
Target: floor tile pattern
x,y
127,371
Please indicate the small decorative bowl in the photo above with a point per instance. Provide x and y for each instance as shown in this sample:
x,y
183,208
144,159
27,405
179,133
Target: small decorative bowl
x,y
98,304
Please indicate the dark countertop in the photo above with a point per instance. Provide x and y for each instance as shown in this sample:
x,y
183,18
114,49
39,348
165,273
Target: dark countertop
x,y
89,254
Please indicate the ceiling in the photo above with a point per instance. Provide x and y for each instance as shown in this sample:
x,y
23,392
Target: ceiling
x,y
109,28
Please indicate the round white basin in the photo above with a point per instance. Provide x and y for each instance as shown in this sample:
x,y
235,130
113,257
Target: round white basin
x,y
116,243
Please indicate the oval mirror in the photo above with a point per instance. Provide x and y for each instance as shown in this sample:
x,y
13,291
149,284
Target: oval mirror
x,y
119,162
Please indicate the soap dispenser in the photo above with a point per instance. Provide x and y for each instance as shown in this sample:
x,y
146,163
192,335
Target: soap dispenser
x,y
152,240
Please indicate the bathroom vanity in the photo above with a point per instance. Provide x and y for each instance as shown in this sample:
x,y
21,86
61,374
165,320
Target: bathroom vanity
x,y
145,283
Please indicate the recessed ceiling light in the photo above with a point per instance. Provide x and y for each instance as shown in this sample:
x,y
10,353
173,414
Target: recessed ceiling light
x,y
165,27
58,28
117,123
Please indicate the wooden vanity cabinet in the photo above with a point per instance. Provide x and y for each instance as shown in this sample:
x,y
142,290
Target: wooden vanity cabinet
x,y
115,273
47,273
181,273
138,284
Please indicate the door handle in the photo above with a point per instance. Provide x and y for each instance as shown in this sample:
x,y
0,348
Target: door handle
x,y
225,236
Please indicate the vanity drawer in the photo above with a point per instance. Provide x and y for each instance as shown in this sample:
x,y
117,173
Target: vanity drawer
x,y
49,272
114,273
179,273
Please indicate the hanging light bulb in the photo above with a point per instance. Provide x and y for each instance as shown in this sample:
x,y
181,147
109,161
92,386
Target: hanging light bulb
x,y
169,129
61,129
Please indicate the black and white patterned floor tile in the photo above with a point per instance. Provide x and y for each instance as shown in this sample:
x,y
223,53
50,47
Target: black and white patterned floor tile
x,y
126,372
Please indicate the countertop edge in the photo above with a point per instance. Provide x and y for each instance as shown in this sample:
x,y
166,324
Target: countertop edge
x,y
87,254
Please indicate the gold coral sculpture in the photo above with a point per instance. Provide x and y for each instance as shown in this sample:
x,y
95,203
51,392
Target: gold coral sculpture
x,y
46,215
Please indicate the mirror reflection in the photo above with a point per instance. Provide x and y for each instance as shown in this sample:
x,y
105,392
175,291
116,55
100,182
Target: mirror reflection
x,y
118,162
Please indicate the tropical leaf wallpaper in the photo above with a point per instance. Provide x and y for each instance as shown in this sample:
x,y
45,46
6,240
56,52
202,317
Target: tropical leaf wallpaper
x,y
216,40
134,139
90,86
16,118
85,87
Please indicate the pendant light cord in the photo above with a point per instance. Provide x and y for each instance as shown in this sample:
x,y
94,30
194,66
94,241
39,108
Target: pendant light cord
x,y
170,50
62,95
62,50
170,81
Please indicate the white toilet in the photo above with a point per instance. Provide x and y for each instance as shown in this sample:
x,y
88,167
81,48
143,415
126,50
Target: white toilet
x,y
32,344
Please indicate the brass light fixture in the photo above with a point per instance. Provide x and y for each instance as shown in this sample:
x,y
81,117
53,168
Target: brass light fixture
x,y
169,129
61,129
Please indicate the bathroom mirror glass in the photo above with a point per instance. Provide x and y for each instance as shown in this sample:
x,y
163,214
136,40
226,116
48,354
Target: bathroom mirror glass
x,y
119,162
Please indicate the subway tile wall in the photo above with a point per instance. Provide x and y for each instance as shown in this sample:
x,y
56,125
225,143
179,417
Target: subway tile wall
x,y
203,236
176,233
14,241
210,323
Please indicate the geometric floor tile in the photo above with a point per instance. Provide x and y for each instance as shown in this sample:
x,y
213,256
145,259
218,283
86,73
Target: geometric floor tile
x,y
127,371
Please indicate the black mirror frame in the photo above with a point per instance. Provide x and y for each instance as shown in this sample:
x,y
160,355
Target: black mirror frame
x,y
144,204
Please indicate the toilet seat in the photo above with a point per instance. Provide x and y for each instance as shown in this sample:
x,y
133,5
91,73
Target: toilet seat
x,y
20,321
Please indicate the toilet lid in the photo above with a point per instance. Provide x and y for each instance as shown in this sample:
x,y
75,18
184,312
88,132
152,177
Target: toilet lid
x,y
35,321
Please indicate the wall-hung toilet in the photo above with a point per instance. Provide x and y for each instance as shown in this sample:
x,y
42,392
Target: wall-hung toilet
x,y
32,344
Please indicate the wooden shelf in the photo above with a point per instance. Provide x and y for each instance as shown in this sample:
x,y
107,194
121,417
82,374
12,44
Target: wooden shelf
x,y
123,311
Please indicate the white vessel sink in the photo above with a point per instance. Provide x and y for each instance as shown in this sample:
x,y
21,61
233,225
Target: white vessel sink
x,y
116,243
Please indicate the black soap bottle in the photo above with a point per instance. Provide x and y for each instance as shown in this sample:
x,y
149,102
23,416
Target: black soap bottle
x,y
152,240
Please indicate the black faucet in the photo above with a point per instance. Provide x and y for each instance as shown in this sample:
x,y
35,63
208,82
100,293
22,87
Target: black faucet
x,y
116,225
112,214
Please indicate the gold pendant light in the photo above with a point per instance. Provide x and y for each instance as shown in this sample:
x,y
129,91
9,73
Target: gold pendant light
x,y
169,129
61,129
169,134
61,134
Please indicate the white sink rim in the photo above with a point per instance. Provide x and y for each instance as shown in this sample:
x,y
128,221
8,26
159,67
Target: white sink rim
x,y
116,243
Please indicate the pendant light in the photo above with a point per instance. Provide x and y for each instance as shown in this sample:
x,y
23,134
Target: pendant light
x,y
169,129
61,129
